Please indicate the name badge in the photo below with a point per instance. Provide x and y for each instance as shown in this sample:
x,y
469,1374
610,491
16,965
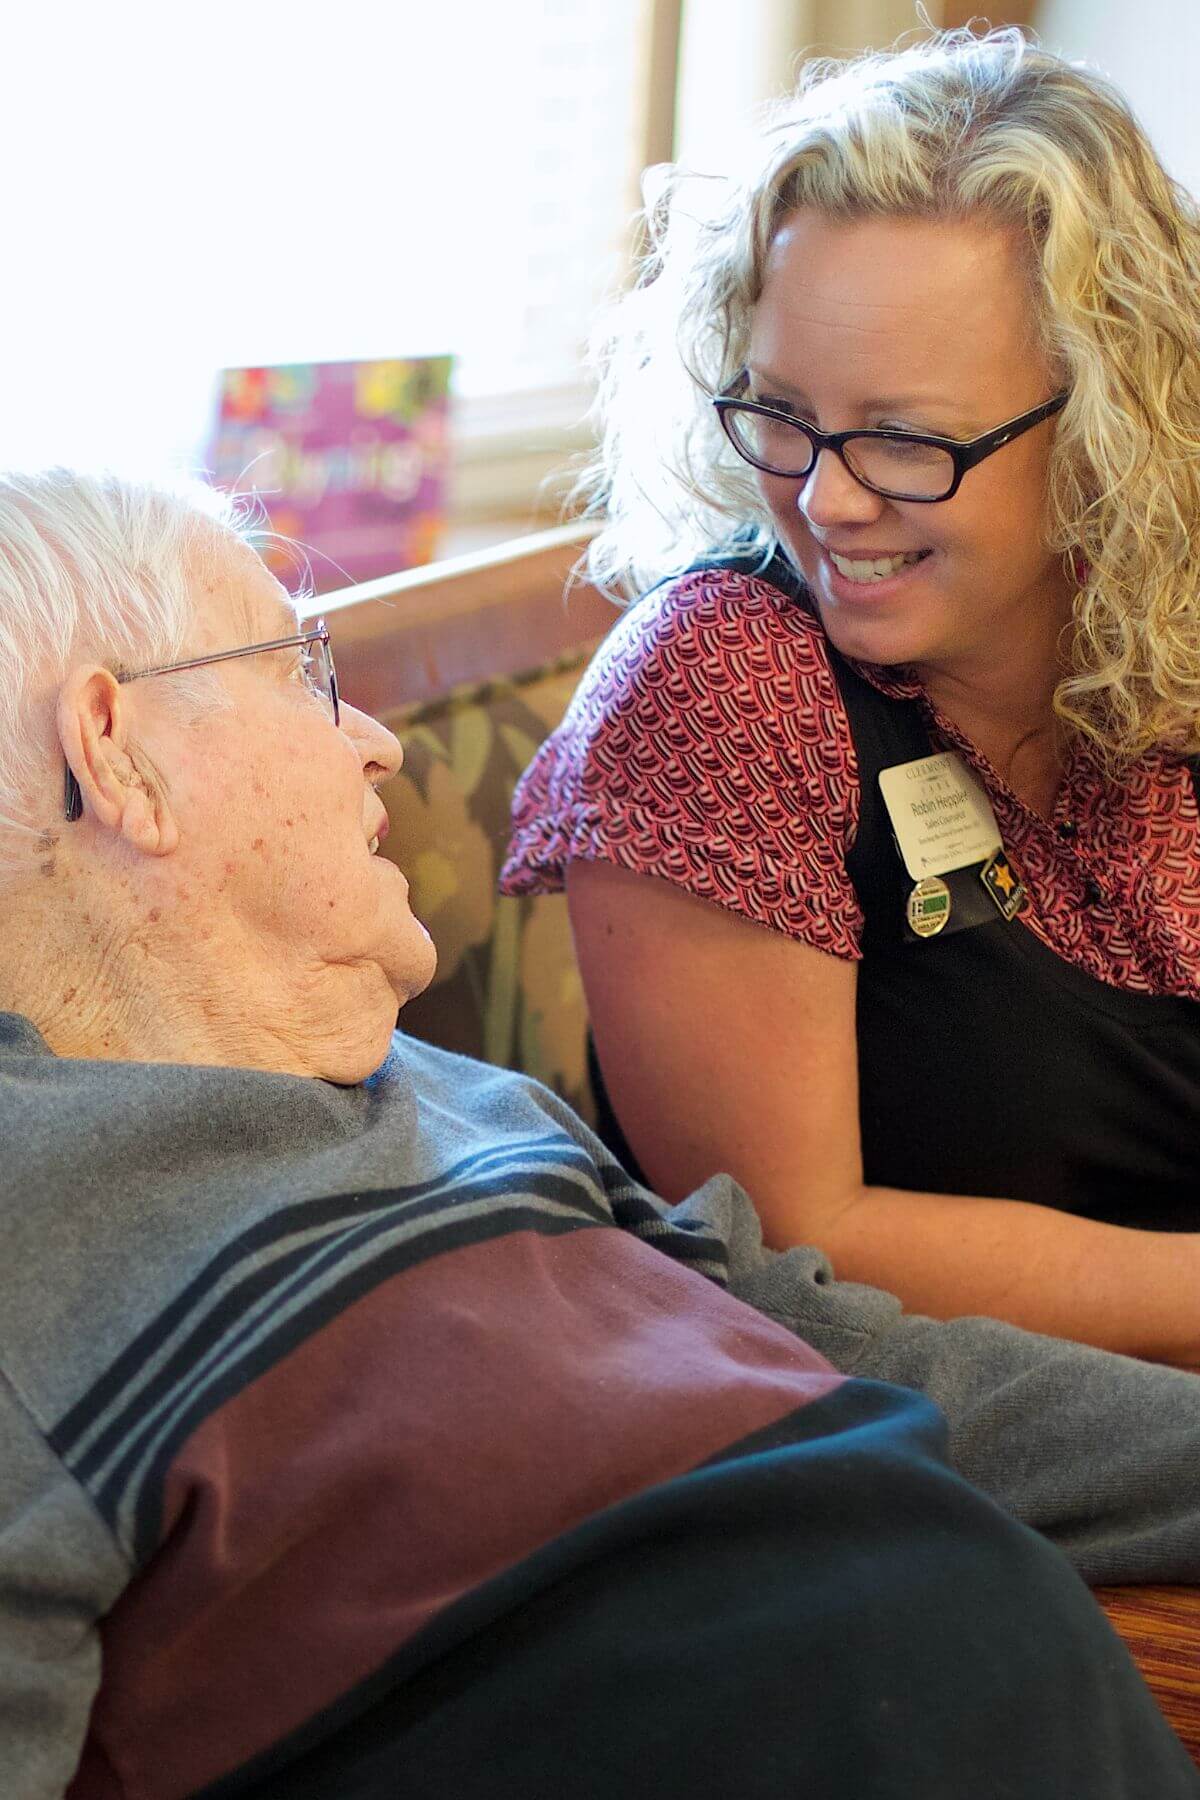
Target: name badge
x,y
941,816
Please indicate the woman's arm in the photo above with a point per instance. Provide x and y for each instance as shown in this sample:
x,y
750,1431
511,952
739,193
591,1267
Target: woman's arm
x,y
726,1046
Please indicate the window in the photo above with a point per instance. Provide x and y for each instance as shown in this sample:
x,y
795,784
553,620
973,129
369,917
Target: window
x,y
189,187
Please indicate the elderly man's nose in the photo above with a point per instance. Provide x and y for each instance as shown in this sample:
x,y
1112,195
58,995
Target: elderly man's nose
x,y
378,748
829,495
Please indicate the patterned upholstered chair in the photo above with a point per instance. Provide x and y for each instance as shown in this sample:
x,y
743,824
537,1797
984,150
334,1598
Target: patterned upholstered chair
x,y
507,988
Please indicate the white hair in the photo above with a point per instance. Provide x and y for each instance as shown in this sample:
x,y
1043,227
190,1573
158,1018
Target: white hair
x,y
90,565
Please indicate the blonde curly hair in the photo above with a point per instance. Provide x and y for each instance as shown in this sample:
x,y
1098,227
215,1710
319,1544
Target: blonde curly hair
x,y
955,124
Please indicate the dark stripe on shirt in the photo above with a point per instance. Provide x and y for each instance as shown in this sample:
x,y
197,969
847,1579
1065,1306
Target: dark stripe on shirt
x,y
280,1224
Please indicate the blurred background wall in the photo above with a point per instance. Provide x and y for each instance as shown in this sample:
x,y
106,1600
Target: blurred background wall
x,y
1151,51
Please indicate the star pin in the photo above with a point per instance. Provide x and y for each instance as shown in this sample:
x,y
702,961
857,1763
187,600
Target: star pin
x,y
1002,883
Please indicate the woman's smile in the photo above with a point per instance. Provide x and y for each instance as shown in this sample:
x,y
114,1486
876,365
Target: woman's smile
x,y
873,566
868,577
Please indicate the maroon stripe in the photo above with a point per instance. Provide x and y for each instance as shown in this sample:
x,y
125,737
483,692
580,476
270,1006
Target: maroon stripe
x,y
438,1431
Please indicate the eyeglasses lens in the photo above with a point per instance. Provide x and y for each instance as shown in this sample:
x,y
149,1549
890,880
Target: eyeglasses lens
x,y
773,444
327,675
893,466
318,672
920,471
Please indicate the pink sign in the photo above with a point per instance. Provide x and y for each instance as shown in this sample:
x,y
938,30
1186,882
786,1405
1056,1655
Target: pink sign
x,y
349,459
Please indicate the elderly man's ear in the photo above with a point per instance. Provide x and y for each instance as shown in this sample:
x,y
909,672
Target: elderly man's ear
x,y
119,789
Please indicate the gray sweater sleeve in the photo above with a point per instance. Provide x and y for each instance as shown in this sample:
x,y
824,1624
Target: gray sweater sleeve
x,y
60,1570
1100,1453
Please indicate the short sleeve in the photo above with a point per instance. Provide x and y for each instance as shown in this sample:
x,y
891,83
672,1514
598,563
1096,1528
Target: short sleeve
x,y
707,745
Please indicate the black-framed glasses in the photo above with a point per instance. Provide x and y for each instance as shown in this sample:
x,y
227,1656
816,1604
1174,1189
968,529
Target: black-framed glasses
x,y
900,465
317,668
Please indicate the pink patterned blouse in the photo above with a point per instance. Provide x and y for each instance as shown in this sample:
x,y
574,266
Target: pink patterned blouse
x,y
708,745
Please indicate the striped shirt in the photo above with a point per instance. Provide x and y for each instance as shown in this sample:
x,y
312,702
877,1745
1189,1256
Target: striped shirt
x,y
390,1439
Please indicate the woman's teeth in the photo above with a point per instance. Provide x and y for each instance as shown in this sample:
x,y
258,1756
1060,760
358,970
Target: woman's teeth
x,y
878,569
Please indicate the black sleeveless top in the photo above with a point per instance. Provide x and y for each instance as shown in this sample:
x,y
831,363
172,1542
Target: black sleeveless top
x,y
987,1064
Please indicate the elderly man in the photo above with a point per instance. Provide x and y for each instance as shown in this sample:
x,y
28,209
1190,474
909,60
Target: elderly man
x,y
364,1430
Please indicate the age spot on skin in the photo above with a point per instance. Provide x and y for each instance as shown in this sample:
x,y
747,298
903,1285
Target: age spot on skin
x,y
47,868
155,915
260,845
69,995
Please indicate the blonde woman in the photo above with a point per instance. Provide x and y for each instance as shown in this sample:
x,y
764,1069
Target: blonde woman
x,y
876,814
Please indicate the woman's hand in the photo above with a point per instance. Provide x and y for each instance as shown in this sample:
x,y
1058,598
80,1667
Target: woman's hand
x,y
726,1046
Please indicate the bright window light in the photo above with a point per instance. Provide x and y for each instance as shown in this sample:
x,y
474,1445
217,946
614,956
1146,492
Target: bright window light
x,y
190,187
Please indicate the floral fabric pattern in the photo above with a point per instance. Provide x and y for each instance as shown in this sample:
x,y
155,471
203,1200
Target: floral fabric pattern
x,y
506,989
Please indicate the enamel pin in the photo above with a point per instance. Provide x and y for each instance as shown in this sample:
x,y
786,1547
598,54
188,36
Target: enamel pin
x,y
928,907
1002,884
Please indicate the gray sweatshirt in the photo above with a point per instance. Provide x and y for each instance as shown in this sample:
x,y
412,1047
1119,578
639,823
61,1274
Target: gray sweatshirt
x,y
207,1272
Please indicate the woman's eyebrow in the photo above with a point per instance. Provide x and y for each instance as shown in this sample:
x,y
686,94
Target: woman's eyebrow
x,y
762,378
884,403
922,402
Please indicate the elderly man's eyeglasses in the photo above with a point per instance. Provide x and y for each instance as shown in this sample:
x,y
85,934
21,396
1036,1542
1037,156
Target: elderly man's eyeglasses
x,y
900,465
316,667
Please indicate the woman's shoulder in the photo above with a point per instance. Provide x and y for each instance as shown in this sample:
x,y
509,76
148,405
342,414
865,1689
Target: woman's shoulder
x,y
718,628
727,605
705,746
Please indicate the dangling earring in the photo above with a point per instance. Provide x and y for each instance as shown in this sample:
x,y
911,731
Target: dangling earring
x,y
1081,569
